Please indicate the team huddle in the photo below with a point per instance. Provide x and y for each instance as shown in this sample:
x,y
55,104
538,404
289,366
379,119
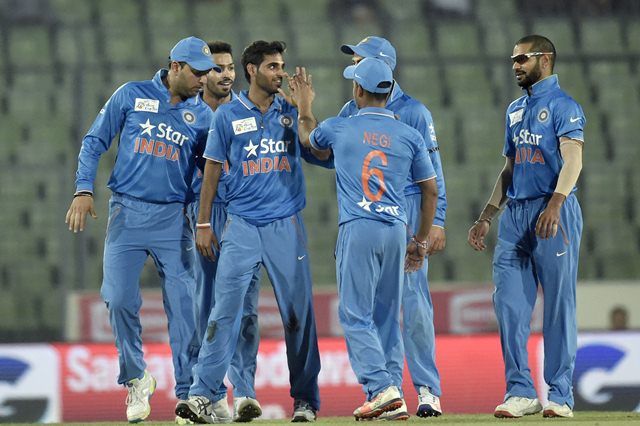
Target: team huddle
x,y
209,183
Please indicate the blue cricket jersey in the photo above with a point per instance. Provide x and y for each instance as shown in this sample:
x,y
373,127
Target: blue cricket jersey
x,y
534,126
373,155
414,113
157,146
265,181
196,185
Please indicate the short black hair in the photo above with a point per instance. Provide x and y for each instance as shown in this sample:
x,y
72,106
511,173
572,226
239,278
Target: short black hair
x,y
256,51
219,46
540,44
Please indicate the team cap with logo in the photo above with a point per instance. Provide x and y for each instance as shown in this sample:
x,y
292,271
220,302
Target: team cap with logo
x,y
373,74
194,52
373,47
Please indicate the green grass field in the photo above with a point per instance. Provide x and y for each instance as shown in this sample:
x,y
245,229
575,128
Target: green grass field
x,y
602,418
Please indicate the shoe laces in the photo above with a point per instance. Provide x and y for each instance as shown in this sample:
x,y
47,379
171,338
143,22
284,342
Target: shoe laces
x,y
202,404
135,394
300,405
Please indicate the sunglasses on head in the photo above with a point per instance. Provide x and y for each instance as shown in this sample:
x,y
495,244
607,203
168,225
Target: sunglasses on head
x,y
524,57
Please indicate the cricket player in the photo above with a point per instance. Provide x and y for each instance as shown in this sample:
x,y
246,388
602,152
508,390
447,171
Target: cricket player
x,y
539,231
163,126
374,156
257,135
418,333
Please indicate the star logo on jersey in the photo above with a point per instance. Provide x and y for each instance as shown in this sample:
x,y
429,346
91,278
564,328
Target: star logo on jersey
x,y
251,149
365,204
147,126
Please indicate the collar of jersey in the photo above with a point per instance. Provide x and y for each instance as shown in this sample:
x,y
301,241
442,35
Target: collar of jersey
x,y
243,97
544,86
376,111
159,85
396,93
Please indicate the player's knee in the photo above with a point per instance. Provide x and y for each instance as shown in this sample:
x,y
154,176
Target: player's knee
x,y
211,330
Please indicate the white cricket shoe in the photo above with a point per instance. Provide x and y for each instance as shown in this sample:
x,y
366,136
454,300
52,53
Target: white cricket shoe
x,y
554,409
388,399
517,406
245,409
397,414
138,396
199,409
428,403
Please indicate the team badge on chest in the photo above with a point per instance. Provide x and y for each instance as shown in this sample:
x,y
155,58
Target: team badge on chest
x,y
543,115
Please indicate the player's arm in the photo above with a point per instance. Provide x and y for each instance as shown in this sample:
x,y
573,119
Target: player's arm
x,y
205,238
303,95
571,151
418,247
95,143
479,230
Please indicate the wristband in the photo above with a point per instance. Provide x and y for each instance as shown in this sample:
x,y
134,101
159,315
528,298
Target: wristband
x,y
83,194
486,219
421,244
203,225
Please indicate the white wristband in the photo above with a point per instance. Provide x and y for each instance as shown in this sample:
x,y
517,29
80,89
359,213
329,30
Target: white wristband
x,y
203,225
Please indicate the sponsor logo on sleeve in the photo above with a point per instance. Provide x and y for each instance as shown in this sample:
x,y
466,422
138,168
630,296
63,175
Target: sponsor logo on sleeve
x,y
146,105
515,117
244,125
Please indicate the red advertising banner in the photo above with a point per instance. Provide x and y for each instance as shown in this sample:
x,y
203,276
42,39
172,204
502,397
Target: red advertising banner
x,y
470,367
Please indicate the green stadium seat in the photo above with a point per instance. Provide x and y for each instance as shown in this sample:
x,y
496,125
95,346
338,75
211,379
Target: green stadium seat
x,y
412,46
421,81
329,86
483,137
469,87
559,31
458,39
29,46
617,89
601,35
72,12
634,35
500,43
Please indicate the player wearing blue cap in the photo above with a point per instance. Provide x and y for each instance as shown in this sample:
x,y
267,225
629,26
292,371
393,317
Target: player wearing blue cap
x,y
163,126
539,231
257,135
417,308
374,156
217,91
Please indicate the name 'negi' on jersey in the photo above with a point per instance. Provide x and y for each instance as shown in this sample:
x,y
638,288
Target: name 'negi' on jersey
x,y
414,113
374,155
534,126
157,146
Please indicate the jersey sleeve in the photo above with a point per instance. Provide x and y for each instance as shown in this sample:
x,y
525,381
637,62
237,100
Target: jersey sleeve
x,y
421,166
568,119
509,149
98,139
422,121
218,138
323,136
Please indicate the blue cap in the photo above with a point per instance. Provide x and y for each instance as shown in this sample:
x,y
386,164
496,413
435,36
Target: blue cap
x,y
372,74
373,47
194,52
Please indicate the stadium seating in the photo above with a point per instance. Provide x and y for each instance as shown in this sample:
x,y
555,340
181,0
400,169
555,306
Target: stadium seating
x,y
59,70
